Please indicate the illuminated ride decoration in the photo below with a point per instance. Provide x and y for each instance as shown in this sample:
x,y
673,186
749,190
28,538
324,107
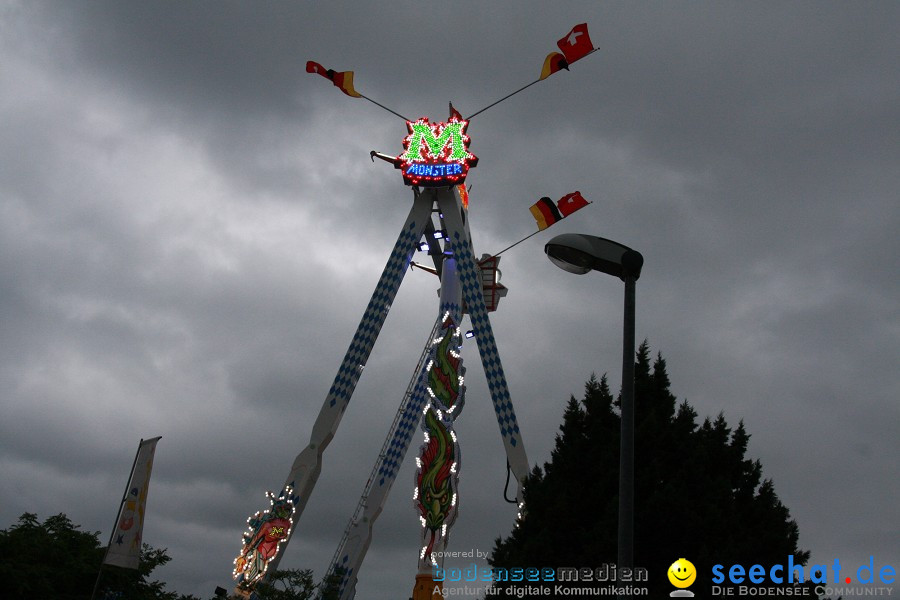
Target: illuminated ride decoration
x,y
437,475
436,154
266,530
436,485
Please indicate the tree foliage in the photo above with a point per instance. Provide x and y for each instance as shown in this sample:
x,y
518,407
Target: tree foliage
x,y
54,559
697,495
296,584
291,584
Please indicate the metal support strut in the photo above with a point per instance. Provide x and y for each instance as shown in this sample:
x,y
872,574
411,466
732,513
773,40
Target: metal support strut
x,y
467,283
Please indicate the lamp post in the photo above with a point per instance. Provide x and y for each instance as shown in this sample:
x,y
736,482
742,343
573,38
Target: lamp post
x,y
580,254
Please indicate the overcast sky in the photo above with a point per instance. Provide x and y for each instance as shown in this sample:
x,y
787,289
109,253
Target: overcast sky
x,y
191,228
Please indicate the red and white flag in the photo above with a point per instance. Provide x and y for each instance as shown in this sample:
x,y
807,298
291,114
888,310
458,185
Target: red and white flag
x,y
125,543
576,44
570,203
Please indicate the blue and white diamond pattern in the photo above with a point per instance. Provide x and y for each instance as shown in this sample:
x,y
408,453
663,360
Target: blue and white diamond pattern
x,y
403,435
373,318
470,281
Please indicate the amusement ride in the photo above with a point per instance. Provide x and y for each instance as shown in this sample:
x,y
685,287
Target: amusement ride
x,y
434,164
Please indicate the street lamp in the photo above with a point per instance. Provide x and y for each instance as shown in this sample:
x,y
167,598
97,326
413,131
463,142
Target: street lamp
x,y
580,254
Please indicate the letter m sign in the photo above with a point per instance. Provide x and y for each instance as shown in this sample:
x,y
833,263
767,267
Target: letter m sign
x,y
434,142
441,148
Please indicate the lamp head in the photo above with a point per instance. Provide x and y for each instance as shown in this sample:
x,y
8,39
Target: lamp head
x,y
578,253
569,259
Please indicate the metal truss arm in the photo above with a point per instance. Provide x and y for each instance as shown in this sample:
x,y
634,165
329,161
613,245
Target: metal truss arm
x,y
353,547
308,464
461,243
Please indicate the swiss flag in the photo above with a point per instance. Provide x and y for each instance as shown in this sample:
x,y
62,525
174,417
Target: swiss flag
x,y
576,44
570,203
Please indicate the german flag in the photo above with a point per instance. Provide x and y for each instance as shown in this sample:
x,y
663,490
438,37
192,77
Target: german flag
x,y
545,213
343,80
553,63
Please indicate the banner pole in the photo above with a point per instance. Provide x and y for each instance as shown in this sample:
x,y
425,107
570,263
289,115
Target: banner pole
x,y
118,515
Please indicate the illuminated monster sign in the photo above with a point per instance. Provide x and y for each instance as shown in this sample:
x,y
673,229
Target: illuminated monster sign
x,y
436,154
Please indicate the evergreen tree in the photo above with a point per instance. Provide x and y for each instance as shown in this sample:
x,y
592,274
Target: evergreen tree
x,y
697,495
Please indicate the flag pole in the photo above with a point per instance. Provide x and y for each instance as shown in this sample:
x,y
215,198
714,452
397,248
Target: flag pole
x,y
97,582
517,243
383,106
521,89
116,522
469,118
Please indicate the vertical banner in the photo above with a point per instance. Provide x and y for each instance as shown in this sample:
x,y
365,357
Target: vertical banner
x,y
125,543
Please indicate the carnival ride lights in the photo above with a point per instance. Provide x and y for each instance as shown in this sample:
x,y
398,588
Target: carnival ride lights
x,y
436,154
434,163
266,530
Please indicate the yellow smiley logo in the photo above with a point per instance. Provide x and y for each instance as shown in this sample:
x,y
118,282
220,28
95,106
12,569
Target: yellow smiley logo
x,y
682,573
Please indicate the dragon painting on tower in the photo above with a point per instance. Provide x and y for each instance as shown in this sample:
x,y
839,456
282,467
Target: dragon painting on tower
x,y
438,462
